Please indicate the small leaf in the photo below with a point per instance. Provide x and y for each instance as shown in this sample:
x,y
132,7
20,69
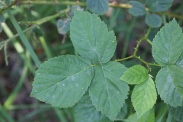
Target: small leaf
x,y
63,26
2,19
159,5
167,44
73,9
135,75
63,80
166,87
138,9
84,111
97,6
144,97
153,20
91,37
177,113
107,91
149,116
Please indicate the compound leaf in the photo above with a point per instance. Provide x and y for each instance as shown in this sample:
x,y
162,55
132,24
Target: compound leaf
x,y
135,75
167,44
63,80
167,85
85,111
91,37
153,20
97,6
138,9
144,97
159,5
107,91
63,26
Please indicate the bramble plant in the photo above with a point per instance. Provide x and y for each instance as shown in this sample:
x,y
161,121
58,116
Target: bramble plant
x,y
96,85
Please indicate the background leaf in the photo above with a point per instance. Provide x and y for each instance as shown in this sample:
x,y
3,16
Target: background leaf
x,y
91,37
63,26
167,44
62,81
159,5
73,9
107,91
149,116
153,20
2,19
135,75
138,9
85,111
144,97
167,89
97,6
177,113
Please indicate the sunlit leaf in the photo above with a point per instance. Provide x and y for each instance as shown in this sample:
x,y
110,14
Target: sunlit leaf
x,y
135,75
144,97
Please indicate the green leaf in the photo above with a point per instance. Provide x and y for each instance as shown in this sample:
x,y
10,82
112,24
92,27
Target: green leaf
x,y
135,75
73,9
84,111
63,26
167,44
153,20
97,6
107,91
159,5
149,116
63,80
91,37
179,62
177,113
1,29
138,9
144,97
165,84
161,109
2,19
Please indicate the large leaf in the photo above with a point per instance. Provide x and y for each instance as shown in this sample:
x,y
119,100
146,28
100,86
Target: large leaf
x,y
97,6
91,37
144,97
107,91
153,20
138,9
177,113
167,86
85,111
62,81
135,75
167,44
159,5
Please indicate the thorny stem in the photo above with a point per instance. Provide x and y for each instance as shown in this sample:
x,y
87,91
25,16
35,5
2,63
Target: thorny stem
x,y
120,5
134,55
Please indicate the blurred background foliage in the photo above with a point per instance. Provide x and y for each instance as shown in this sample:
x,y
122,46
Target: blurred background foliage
x,y
42,28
